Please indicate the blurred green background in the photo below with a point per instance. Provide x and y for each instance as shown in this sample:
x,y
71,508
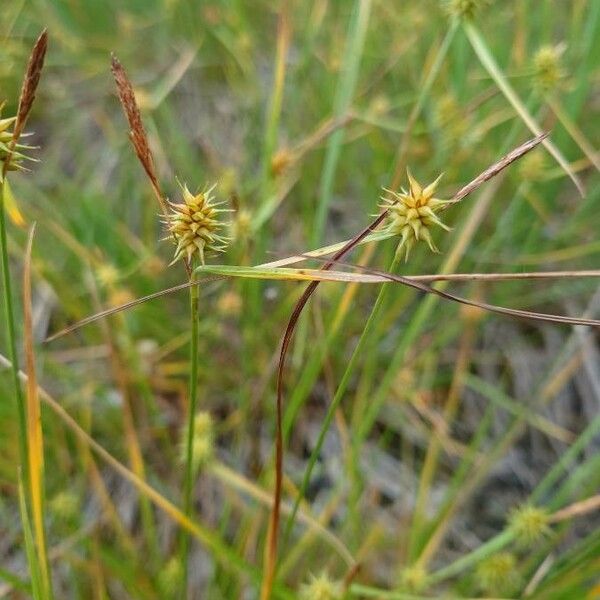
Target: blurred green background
x,y
301,112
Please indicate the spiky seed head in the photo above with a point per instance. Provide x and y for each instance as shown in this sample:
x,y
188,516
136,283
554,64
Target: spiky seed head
x,y
414,578
548,71
321,587
412,213
464,9
195,224
11,152
202,440
529,525
498,574
65,505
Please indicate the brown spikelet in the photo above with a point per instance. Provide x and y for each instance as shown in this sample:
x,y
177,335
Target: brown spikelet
x,y
494,169
28,89
30,82
137,133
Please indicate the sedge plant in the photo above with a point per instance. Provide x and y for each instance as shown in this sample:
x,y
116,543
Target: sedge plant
x,y
431,413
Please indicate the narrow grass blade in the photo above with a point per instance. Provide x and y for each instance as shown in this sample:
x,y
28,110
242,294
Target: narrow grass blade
x,y
490,65
9,315
566,460
284,33
11,206
35,568
573,130
35,441
374,276
344,91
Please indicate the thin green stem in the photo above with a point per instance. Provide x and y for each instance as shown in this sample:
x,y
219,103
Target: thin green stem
x,y
12,337
353,50
495,72
469,560
418,107
188,483
339,394
564,463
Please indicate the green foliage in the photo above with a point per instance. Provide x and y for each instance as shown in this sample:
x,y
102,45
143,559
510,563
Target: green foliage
x,y
386,391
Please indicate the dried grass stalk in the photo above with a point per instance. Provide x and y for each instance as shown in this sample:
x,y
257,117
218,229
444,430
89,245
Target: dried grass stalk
x,y
493,170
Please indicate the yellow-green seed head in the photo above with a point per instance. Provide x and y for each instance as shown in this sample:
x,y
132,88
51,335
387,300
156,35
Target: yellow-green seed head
x,y
65,505
547,67
241,225
321,588
7,150
529,525
498,574
412,213
414,578
464,9
195,225
202,440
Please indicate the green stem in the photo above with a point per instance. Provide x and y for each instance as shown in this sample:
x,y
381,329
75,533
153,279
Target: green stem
x,y
339,394
490,547
345,87
189,463
12,337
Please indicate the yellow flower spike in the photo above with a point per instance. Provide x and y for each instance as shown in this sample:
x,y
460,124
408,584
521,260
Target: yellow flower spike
x,y
411,214
429,191
195,226
415,188
427,237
